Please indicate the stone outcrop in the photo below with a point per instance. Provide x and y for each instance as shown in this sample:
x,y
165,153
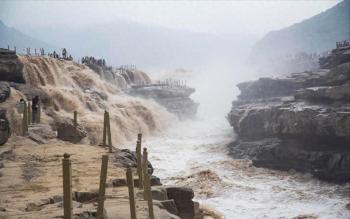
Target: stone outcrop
x,y
67,132
182,196
301,122
336,57
5,130
127,158
5,91
10,67
175,99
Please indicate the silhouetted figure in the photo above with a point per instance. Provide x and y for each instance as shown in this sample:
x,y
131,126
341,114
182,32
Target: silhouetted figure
x,y
35,107
64,53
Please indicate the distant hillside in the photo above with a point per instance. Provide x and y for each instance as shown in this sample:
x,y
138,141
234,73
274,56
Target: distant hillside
x,y
12,37
316,34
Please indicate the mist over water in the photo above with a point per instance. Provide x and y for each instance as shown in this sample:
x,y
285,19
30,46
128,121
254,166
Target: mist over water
x,y
194,153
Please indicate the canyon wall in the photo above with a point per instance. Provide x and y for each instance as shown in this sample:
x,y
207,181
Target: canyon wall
x,y
300,122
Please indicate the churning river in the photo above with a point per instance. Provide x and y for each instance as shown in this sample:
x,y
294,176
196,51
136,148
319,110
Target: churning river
x,y
194,153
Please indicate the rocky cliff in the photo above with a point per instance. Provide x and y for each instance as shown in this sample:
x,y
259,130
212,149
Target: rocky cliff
x,y
10,67
176,99
300,122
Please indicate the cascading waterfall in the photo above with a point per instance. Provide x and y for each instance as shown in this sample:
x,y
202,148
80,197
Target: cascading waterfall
x,y
68,86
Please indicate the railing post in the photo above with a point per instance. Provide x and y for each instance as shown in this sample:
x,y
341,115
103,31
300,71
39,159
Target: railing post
x,y
102,190
139,137
38,113
25,118
67,187
139,163
75,119
109,133
130,181
104,128
147,185
29,113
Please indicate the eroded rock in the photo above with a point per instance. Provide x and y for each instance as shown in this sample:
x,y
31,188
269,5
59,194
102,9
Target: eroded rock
x,y
5,130
66,131
308,133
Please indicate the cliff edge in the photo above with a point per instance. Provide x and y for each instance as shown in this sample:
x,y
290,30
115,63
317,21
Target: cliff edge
x,y
300,122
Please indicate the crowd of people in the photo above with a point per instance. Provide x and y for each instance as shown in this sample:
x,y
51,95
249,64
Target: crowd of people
x,y
65,55
342,44
90,60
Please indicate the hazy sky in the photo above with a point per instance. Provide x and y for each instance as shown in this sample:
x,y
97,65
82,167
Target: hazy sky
x,y
254,17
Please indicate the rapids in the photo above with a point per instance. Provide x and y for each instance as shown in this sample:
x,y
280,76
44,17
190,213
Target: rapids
x,y
197,156
194,153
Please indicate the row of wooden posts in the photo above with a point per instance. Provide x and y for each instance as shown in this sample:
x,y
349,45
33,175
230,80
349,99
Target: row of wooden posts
x,y
144,183
27,116
142,169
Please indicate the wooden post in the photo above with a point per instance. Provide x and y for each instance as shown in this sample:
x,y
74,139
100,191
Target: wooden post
x,y
109,133
104,128
29,113
139,137
75,120
38,113
147,185
139,163
67,187
25,119
102,190
130,181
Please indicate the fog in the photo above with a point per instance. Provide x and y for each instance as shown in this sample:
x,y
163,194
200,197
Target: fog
x,y
254,17
156,34
207,44
210,39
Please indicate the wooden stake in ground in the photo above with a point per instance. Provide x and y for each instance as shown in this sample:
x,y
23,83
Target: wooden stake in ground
x,y
104,128
75,120
25,119
139,137
109,133
67,187
38,113
130,181
102,190
29,113
147,185
139,163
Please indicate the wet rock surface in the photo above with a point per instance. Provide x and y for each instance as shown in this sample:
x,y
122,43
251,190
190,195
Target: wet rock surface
x,y
5,130
66,131
10,67
301,122
175,99
5,91
126,158
182,196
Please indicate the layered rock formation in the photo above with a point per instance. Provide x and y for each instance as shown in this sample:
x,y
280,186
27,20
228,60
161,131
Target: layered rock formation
x,y
337,56
301,122
175,99
10,66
